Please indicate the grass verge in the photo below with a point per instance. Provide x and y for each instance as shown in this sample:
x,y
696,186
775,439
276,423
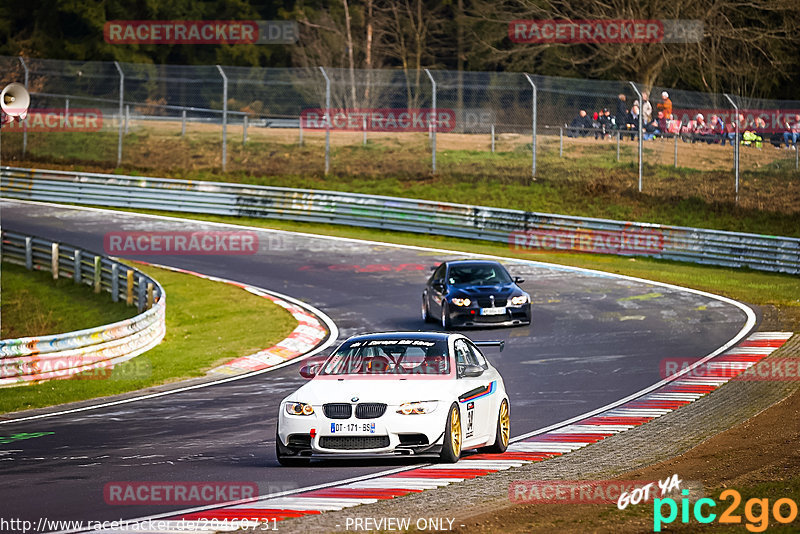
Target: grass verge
x,y
207,323
36,305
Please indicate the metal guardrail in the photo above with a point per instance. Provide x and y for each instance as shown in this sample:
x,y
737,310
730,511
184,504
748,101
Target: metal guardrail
x,y
522,230
30,360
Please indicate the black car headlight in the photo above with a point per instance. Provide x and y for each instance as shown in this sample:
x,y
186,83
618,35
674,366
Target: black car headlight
x,y
519,300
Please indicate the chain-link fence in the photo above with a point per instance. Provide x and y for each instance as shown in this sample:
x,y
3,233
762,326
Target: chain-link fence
x,y
402,122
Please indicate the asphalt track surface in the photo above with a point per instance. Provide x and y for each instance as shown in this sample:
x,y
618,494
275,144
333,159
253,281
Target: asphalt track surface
x,y
594,339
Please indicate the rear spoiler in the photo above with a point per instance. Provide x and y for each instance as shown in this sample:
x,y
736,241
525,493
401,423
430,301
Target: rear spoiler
x,y
501,344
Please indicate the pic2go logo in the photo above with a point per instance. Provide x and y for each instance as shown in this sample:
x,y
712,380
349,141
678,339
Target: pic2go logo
x,y
783,511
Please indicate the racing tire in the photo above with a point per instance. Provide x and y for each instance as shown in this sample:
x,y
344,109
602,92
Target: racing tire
x,y
285,459
453,439
446,324
503,433
426,314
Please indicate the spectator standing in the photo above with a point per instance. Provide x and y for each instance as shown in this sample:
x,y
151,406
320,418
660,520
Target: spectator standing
x,y
665,105
647,108
622,112
792,132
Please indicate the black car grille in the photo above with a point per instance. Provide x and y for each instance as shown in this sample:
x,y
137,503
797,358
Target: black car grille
x,y
370,410
486,302
338,410
350,443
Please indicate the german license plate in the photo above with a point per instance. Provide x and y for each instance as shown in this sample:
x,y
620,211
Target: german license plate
x,y
350,429
493,311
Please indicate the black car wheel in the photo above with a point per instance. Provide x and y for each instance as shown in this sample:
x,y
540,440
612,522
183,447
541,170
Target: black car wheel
x,y
426,314
445,316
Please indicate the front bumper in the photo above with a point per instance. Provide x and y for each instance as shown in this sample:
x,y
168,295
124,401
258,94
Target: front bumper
x,y
471,316
394,434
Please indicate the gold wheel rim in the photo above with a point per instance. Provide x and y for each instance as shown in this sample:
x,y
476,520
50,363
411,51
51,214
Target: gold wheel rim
x,y
455,432
505,424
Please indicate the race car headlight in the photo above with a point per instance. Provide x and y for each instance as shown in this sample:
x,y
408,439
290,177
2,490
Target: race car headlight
x,y
519,300
461,302
413,408
299,408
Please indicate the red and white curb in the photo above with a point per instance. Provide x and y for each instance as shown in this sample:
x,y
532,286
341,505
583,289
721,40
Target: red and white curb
x,y
308,333
675,392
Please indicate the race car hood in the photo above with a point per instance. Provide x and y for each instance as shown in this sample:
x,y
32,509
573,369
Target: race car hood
x,y
389,391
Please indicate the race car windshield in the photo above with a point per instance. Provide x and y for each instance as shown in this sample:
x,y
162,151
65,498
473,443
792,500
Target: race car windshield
x,y
389,357
481,274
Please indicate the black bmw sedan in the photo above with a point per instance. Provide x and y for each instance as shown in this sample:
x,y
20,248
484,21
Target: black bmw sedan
x,y
474,293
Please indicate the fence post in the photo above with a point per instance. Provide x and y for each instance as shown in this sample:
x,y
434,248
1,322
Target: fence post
x,y
796,157
129,287
639,133
561,142
97,273
121,100
327,120
54,260
244,131
77,267
736,146
24,123
115,282
300,141
617,146
492,138
676,151
224,118
364,121
140,296
29,253
183,123
66,109
533,128
434,125
127,117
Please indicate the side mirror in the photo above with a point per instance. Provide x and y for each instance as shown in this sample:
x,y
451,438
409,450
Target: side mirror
x,y
310,370
518,280
438,285
472,371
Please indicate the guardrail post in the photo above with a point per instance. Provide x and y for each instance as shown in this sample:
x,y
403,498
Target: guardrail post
x,y
327,121
244,131
533,128
97,274
736,146
29,253
492,138
140,294
54,260
77,267
24,123
121,103
149,295
639,134
183,123
224,118
435,121
129,287
115,282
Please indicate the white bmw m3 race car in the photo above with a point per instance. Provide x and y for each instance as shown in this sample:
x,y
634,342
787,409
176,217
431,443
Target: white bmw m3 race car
x,y
399,393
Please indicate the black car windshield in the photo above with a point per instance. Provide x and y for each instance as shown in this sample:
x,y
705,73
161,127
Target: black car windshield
x,y
478,274
389,356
